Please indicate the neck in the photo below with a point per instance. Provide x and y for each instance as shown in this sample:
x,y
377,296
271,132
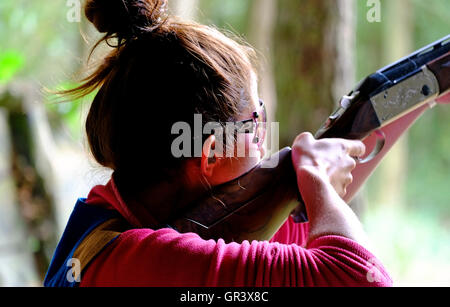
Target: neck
x,y
166,200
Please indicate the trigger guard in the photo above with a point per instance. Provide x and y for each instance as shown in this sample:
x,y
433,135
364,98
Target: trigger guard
x,y
381,141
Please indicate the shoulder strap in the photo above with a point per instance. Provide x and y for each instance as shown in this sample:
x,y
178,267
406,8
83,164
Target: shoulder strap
x,y
97,240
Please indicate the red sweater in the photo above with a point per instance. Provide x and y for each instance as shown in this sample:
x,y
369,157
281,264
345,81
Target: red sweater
x,y
145,257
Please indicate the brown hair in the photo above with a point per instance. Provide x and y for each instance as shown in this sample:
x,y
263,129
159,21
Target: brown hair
x,y
161,71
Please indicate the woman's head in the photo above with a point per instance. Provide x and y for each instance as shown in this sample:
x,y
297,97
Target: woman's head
x,y
160,71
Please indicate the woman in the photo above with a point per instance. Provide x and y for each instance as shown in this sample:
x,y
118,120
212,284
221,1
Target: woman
x,y
161,72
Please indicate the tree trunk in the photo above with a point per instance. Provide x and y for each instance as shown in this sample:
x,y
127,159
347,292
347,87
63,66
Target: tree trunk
x,y
261,31
397,43
342,39
314,62
315,65
16,258
29,181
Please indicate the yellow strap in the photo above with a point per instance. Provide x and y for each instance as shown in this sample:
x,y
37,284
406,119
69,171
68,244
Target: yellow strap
x,y
94,243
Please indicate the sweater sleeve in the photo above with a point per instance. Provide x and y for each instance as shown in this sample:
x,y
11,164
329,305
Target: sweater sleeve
x,y
166,258
290,232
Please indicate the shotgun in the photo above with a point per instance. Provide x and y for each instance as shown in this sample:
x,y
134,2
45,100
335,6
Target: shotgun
x,y
378,111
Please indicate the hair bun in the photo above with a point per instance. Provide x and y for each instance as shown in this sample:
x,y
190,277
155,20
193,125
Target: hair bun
x,y
125,17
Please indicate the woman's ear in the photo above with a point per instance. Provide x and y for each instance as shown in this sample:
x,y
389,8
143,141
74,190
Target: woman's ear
x,y
209,160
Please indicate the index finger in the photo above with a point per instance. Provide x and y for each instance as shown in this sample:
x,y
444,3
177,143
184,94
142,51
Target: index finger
x,y
355,148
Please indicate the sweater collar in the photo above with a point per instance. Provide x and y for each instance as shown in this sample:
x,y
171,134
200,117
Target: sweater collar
x,y
108,196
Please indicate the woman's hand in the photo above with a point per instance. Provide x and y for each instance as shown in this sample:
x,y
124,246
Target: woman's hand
x,y
331,159
323,170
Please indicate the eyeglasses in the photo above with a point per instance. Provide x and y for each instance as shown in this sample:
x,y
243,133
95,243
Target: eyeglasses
x,y
257,125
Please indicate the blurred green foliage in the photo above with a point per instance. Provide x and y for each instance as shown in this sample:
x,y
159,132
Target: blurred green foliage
x,y
430,164
232,15
11,62
413,237
429,159
40,44
40,32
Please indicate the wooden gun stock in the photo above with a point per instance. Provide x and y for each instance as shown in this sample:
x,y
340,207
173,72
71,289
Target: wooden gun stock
x,y
252,207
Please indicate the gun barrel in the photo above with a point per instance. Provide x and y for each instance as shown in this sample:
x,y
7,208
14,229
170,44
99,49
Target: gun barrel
x,y
414,62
